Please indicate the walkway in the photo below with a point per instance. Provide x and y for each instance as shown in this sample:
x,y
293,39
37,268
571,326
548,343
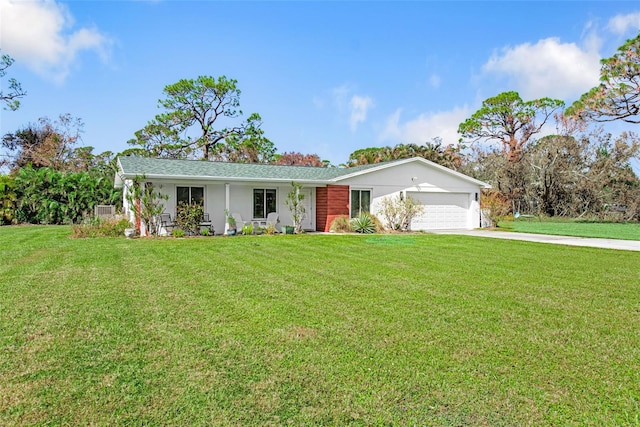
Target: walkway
x,y
625,245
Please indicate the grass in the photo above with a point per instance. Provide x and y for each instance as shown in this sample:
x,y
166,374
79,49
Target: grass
x,y
315,330
612,230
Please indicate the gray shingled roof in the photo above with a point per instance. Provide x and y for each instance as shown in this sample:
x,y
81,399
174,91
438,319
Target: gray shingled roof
x,y
131,166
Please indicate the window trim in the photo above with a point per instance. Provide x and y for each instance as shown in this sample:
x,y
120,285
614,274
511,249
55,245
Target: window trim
x,y
359,190
265,209
190,187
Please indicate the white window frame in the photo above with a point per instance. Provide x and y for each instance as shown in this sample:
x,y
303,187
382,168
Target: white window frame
x,y
190,187
265,210
360,190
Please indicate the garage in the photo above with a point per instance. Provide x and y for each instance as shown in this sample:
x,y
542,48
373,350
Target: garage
x,y
441,211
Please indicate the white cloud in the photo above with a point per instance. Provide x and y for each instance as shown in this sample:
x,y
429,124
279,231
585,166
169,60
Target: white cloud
x,y
41,34
353,105
425,127
435,81
620,24
548,68
359,106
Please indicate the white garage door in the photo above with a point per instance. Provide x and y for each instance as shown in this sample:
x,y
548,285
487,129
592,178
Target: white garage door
x,y
441,211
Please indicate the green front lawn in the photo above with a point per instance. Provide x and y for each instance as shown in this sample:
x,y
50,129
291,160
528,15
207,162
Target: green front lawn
x,y
367,330
625,231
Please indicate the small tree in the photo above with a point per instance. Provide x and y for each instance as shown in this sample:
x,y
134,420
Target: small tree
x,y
397,212
150,203
495,205
296,207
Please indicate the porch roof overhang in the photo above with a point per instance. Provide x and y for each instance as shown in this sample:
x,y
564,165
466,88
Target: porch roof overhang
x,y
121,177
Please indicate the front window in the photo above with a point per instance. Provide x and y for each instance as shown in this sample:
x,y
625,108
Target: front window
x,y
264,202
360,202
190,195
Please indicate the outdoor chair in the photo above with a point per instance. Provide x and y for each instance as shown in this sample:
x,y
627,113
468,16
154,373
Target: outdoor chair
x,y
272,219
165,221
239,222
206,221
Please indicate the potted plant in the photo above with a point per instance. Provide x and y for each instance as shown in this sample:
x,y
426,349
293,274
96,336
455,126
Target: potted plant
x,y
231,222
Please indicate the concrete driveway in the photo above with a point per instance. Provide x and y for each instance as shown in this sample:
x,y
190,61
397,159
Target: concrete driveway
x,y
625,245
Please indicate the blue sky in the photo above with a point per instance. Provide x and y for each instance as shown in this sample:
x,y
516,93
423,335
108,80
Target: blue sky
x,y
326,77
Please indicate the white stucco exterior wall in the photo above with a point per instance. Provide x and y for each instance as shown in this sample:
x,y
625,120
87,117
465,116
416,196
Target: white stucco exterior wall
x,y
240,200
416,177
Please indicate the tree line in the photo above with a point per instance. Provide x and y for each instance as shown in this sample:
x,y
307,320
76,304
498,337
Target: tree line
x,y
580,171
50,180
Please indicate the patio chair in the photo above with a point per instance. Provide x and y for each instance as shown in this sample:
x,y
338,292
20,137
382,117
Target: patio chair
x,y
239,222
273,218
206,221
165,221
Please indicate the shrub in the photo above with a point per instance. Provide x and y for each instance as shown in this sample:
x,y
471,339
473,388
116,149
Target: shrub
x,y
247,229
177,232
398,212
205,232
378,224
364,224
8,199
496,205
47,196
270,229
341,224
188,217
100,227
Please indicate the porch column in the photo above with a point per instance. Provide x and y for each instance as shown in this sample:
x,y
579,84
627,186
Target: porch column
x,y
226,207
